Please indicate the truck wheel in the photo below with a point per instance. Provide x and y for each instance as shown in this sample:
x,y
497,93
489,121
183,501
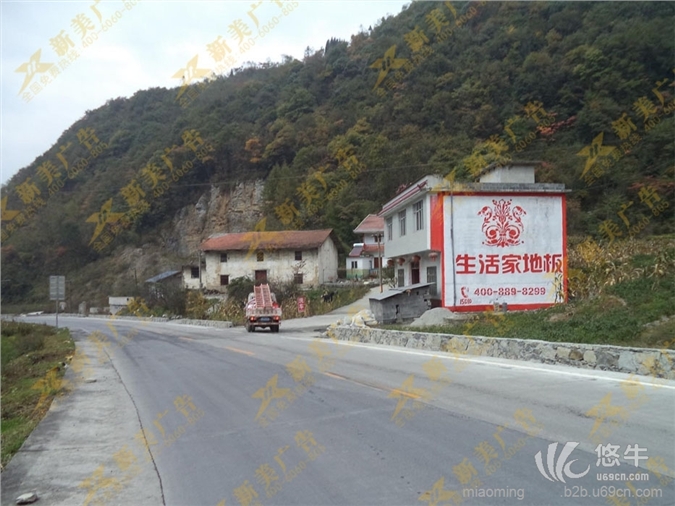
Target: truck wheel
x,y
248,327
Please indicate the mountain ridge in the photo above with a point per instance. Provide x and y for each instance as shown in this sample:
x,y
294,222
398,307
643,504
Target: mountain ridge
x,y
316,128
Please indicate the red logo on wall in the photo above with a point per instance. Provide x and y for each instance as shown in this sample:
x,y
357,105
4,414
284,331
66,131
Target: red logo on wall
x,y
501,224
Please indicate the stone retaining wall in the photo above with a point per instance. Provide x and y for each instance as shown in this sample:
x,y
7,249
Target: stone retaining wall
x,y
643,361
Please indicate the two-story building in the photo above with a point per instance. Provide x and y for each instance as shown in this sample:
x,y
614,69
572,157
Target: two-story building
x,y
306,257
501,240
364,259
408,236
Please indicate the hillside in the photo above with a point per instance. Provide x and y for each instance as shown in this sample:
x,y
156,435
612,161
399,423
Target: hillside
x,y
530,81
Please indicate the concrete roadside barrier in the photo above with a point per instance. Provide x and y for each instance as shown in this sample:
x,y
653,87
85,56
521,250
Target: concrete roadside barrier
x,y
641,361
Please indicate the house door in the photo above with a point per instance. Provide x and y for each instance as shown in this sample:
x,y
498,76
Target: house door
x,y
414,273
431,278
401,275
260,277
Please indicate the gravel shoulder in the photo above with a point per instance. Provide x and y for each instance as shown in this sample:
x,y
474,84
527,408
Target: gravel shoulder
x,y
80,449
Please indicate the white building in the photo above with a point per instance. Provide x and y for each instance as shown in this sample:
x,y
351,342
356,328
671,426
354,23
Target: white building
x,y
308,257
118,303
501,240
364,259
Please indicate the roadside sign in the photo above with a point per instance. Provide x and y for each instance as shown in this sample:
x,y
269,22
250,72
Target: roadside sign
x,y
301,304
57,292
57,287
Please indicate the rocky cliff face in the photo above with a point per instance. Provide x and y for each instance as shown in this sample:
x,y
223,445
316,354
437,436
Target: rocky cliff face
x,y
220,210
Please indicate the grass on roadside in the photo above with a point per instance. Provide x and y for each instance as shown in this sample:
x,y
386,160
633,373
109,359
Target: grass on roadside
x,y
314,305
31,376
618,318
617,291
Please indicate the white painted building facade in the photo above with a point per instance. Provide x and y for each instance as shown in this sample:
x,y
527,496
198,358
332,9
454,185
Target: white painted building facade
x,y
364,259
502,240
308,258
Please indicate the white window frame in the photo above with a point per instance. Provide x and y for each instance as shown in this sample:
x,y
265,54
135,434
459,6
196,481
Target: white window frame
x,y
401,222
418,212
390,228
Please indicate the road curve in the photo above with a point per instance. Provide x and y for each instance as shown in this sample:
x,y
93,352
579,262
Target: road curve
x,y
289,419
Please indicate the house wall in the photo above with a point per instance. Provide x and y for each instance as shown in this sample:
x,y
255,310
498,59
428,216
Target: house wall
x,y
526,270
509,175
365,266
278,264
427,262
414,241
369,239
327,266
189,282
361,263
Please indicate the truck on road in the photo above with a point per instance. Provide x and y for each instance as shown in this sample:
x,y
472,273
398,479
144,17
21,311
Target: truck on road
x,y
262,309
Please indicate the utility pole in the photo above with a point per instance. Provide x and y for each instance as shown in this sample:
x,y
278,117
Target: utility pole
x,y
379,256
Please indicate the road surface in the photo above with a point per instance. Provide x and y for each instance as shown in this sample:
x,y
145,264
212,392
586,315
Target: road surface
x,y
162,413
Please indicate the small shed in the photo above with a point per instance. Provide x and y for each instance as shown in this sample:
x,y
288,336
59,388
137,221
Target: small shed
x,y
401,304
165,279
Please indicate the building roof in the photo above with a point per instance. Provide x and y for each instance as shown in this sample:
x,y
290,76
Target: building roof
x,y
423,186
372,249
285,239
356,251
437,184
398,291
162,276
360,249
371,224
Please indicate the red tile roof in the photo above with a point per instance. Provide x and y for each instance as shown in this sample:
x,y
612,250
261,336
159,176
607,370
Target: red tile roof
x,y
285,239
372,249
370,224
365,250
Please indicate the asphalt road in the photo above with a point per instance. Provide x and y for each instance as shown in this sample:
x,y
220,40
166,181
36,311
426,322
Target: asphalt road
x,y
288,419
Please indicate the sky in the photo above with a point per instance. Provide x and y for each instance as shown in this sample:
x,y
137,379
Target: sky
x,y
138,44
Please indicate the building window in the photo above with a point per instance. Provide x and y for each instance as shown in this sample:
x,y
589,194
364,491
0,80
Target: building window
x,y
401,223
376,238
260,256
355,264
390,229
419,217
223,258
297,278
224,280
298,255
194,272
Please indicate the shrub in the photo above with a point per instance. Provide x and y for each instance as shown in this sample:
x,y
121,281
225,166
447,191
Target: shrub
x,y
239,288
138,307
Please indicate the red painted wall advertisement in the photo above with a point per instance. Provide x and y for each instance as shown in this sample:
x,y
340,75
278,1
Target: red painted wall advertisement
x,y
506,248
301,304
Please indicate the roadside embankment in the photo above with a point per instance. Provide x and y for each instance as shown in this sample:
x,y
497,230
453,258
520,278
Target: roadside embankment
x,y
642,361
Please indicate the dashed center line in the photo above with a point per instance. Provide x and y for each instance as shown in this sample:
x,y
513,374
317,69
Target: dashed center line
x,y
236,350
